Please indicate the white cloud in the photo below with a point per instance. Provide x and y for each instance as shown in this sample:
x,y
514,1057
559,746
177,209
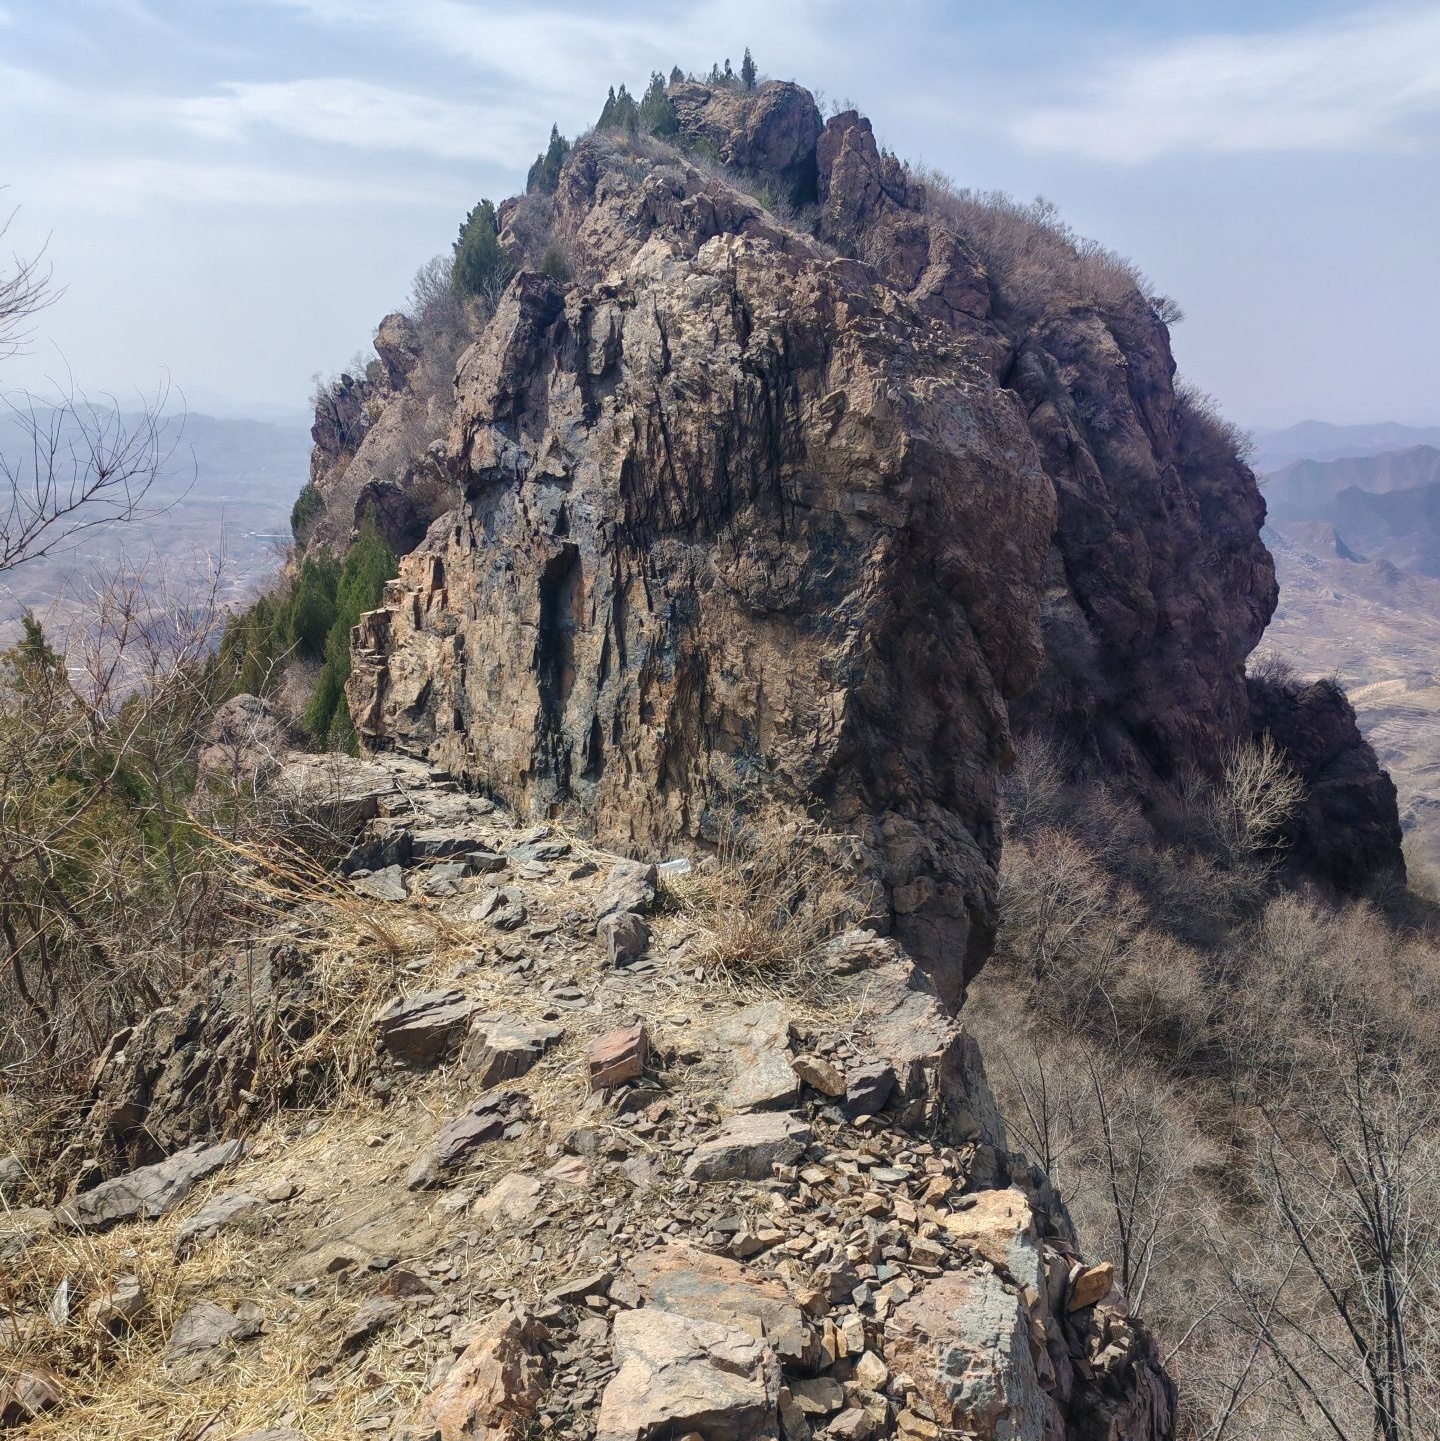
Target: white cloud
x,y
353,112
118,186
22,90
1370,81
548,57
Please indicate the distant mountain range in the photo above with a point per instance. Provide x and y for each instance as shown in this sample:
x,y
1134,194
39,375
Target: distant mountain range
x,y
1356,541
1383,506
225,490
1319,440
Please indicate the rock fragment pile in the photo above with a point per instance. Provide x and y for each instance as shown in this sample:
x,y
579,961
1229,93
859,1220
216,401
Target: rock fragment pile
x,y
620,1201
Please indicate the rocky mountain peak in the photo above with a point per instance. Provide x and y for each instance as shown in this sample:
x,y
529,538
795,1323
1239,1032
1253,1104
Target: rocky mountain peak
x,y
806,482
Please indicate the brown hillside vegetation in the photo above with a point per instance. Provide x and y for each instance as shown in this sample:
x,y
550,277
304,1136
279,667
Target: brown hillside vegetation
x,y
1234,1087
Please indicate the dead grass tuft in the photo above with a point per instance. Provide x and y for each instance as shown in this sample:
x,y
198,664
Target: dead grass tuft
x,y
778,888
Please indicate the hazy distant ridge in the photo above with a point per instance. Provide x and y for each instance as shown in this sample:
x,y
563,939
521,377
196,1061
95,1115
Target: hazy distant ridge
x,y
1319,440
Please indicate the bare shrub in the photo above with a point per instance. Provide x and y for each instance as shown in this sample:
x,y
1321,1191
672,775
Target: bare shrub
x,y
1245,1125
1063,915
106,890
441,329
25,291
778,887
1270,668
1035,261
1243,816
1206,439
1033,790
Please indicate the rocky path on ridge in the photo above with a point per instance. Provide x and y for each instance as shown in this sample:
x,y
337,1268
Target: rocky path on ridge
x,y
581,1188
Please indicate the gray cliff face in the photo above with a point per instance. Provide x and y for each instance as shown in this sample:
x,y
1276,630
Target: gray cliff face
x,y
823,514
735,517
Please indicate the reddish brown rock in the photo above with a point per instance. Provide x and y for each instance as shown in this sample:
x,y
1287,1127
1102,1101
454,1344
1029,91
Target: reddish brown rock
x,y
493,1389
1090,1284
820,1074
618,1056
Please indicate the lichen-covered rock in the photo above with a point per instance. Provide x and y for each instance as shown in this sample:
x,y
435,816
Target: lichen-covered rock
x,y
680,1376
965,1341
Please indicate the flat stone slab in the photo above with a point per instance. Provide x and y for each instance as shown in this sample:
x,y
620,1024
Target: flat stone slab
x,y
747,1147
152,1190
697,1283
439,843
679,1376
197,1336
383,885
758,1039
234,1208
494,1115
504,1050
511,1198
423,1029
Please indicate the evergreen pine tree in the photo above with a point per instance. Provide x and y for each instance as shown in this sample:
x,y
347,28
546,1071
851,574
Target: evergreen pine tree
x,y
369,563
657,113
607,112
312,608
747,70
544,174
481,266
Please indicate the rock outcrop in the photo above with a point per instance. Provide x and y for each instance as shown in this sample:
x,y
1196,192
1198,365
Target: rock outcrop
x,y
747,509
1347,831
736,515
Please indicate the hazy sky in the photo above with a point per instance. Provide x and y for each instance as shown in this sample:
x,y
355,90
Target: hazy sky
x,y
235,191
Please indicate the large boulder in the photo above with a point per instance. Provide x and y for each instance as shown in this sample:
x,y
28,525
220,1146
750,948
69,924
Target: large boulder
x,y
680,1376
1347,830
965,1341
769,132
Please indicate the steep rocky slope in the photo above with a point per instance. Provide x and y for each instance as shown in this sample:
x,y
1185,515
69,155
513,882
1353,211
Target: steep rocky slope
x,y
745,506
576,1183
808,487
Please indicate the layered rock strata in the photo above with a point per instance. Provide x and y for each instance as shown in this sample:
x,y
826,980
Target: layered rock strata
x,y
816,509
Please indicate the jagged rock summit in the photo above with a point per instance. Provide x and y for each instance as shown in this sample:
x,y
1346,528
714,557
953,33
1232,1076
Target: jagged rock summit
x,y
811,506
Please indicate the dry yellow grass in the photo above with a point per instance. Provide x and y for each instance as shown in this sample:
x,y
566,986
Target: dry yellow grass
x,y
746,925
778,888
